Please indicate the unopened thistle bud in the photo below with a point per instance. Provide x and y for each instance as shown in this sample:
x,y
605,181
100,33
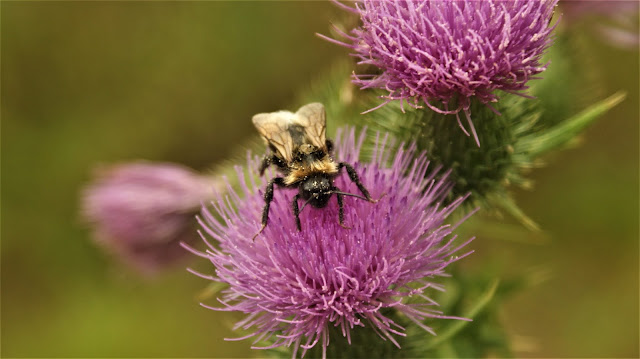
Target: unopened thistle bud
x,y
141,211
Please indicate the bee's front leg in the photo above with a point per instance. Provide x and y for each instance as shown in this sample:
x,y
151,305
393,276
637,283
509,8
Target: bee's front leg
x,y
267,160
354,177
340,209
296,211
268,197
329,145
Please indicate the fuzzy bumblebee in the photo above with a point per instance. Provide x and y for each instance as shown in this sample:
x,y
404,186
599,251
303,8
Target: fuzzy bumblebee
x,y
298,148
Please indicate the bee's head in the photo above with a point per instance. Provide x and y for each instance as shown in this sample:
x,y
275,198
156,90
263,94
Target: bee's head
x,y
317,190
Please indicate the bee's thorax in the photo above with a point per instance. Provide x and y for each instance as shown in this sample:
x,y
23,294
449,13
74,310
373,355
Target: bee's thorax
x,y
309,167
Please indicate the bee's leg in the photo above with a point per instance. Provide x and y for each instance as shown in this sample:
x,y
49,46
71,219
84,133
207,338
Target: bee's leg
x,y
268,197
296,211
354,177
329,145
267,160
340,209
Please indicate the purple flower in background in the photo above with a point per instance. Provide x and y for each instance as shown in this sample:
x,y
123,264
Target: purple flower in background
x,y
575,8
293,285
444,53
619,23
142,211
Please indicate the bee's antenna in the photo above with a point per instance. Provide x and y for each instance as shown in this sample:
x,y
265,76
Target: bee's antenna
x,y
351,195
305,204
260,231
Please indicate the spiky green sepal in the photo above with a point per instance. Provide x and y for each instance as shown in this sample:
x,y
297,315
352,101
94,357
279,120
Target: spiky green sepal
x,y
485,171
364,342
511,144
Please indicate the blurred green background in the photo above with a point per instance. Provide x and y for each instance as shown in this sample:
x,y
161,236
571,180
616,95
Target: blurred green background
x,y
98,82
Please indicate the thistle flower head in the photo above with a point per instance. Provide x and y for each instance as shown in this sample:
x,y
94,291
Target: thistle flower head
x,y
443,53
295,285
142,211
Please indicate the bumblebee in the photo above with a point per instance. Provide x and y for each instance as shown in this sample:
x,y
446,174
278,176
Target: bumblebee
x,y
300,151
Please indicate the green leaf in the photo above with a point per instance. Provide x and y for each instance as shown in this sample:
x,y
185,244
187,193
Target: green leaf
x,y
539,143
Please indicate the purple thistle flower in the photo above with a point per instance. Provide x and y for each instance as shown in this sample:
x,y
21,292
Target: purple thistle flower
x,y
294,285
447,52
142,211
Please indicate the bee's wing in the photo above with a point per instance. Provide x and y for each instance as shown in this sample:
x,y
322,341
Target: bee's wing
x,y
313,119
274,128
